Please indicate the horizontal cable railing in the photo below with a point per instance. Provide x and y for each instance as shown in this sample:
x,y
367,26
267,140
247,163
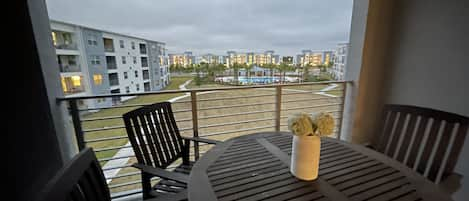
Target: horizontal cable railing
x,y
224,113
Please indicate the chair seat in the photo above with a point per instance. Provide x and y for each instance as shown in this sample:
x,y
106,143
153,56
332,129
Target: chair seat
x,y
165,187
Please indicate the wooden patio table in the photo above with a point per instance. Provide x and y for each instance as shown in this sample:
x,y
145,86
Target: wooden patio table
x,y
256,167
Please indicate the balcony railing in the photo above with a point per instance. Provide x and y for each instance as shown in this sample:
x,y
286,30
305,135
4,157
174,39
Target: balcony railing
x,y
72,46
113,82
69,68
111,66
214,113
109,48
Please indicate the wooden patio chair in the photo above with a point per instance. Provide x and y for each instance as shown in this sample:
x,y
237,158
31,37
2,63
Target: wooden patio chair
x,y
82,179
157,143
428,141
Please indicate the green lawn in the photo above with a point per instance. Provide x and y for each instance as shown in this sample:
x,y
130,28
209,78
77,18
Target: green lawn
x,y
175,82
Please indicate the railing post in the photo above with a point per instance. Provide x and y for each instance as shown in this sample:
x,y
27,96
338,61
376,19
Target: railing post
x,y
278,106
195,123
77,124
344,91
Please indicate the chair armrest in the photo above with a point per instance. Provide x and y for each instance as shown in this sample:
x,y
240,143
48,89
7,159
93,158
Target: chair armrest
x,y
162,173
204,140
178,196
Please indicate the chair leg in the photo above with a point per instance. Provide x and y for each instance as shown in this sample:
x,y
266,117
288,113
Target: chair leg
x,y
186,152
146,185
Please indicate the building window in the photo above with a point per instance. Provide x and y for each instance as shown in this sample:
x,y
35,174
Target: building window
x,y
127,89
123,60
136,73
126,75
138,87
76,81
98,79
135,60
132,44
92,40
95,60
121,43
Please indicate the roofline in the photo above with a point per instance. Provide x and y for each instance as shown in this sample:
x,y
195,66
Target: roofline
x,y
106,31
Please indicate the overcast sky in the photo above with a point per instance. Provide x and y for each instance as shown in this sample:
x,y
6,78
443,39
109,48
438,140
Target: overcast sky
x,y
215,26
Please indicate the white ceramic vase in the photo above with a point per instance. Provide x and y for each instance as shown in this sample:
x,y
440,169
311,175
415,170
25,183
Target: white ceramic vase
x,y
305,157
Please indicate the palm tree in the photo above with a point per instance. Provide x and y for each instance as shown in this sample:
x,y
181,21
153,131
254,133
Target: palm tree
x,y
283,68
248,69
235,72
306,71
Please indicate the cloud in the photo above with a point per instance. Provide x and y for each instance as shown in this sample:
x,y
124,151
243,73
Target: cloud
x,y
215,26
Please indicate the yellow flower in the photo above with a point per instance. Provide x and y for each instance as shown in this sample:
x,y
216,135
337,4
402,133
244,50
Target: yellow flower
x,y
324,123
301,124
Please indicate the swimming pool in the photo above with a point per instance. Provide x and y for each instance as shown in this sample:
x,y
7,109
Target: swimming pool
x,y
259,80
256,79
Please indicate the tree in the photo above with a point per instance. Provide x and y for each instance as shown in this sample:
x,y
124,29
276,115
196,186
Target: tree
x,y
283,68
306,71
235,72
248,69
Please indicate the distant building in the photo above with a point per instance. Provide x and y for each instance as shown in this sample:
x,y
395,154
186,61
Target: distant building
x,y
287,59
209,59
267,57
94,62
185,59
314,58
340,61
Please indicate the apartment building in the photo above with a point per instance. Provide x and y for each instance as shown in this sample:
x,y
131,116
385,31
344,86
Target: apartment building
x,y
314,58
267,57
340,58
185,59
94,62
209,59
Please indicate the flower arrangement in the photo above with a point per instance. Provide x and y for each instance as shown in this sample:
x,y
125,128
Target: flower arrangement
x,y
318,124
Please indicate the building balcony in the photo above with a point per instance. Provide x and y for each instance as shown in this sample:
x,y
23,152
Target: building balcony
x,y
66,46
69,68
111,66
113,82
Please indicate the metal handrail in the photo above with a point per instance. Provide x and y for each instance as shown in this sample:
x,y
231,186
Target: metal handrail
x,y
197,90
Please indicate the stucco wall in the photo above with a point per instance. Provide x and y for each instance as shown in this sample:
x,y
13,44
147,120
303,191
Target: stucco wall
x,y
429,62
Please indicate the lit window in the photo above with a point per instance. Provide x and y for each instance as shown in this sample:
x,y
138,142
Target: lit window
x,y
76,81
98,79
54,38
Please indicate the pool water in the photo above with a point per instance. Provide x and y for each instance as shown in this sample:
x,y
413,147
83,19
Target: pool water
x,y
260,80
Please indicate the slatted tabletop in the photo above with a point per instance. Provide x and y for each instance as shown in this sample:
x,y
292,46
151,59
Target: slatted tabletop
x,y
256,167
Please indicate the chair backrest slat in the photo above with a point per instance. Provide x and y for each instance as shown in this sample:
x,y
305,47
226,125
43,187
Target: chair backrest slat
x,y
81,179
156,138
154,160
161,136
420,138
